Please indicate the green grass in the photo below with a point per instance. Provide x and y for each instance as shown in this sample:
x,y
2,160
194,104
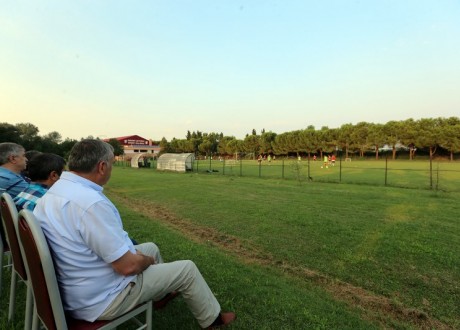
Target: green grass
x,y
310,256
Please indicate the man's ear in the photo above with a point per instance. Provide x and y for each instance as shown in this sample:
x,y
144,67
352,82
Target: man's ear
x,y
54,176
101,167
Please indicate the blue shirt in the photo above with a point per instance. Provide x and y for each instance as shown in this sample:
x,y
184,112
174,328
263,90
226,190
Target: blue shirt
x,y
27,199
85,234
11,182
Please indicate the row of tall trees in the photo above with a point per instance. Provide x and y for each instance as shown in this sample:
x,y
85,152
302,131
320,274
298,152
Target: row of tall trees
x,y
27,135
427,134
430,134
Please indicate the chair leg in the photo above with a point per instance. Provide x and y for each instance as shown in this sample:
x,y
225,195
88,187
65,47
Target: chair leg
x,y
35,320
3,254
29,307
14,281
149,316
1,266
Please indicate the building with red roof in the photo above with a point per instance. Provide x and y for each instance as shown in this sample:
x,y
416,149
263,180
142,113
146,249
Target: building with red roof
x,y
135,144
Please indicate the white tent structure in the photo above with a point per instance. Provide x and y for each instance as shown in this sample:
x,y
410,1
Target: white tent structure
x,y
139,158
176,162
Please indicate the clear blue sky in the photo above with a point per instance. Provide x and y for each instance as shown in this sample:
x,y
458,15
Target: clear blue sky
x,y
110,68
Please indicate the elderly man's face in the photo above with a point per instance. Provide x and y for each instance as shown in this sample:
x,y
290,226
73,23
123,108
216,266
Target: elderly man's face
x,y
19,161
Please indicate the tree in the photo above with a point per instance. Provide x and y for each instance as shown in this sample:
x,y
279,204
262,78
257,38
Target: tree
x,y
450,136
297,144
376,137
165,147
66,146
205,147
265,141
281,145
392,131
9,133
54,137
344,137
234,147
117,147
309,138
223,147
327,140
174,146
359,136
408,134
29,135
251,144
428,134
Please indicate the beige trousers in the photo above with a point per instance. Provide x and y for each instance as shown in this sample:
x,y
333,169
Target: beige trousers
x,y
162,278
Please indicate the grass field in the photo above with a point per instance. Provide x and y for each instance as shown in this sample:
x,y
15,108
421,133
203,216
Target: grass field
x,y
285,255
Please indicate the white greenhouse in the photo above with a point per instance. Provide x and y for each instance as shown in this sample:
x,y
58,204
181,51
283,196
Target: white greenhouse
x,y
176,162
141,160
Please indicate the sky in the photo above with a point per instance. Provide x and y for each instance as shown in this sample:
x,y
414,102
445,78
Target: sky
x,y
110,68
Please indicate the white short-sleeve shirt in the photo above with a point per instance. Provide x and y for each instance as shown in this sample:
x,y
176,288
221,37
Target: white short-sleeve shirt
x,y
85,233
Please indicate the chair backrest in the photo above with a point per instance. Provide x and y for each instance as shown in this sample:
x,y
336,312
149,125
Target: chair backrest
x,y
40,270
3,244
10,222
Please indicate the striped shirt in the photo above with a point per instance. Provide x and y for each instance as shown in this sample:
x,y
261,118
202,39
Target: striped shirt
x,y
11,182
28,198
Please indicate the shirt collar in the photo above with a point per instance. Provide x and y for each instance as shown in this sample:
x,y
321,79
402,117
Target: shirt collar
x,y
70,176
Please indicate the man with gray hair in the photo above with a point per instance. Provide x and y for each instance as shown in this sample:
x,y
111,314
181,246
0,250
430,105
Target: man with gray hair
x,y
100,272
12,162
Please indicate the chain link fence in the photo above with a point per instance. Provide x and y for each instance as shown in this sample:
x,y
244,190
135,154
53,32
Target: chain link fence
x,y
415,174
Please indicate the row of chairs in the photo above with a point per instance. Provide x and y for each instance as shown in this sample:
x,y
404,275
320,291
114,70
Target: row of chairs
x,y
31,262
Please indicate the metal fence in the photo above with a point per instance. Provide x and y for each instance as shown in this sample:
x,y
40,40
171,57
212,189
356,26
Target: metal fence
x,y
419,174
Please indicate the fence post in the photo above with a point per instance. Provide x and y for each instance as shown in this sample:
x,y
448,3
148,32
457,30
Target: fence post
x,y
282,169
431,171
340,172
386,167
437,177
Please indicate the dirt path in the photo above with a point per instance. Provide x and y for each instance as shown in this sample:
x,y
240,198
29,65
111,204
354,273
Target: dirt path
x,y
373,307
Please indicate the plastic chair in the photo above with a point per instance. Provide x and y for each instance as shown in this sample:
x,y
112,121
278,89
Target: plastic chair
x,y
40,270
4,250
10,221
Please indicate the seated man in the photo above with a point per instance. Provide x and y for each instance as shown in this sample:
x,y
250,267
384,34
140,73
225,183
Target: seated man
x,y
101,274
12,162
43,170
29,155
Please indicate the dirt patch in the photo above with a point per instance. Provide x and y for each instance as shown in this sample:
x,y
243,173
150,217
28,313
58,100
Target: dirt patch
x,y
373,307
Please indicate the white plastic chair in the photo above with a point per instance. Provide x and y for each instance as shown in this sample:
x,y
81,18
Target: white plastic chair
x,y
18,272
40,270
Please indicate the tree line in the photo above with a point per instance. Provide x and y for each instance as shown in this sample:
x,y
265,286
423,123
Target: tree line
x,y
427,134
27,135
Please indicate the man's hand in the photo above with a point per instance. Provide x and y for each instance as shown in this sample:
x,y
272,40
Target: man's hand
x,y
132,264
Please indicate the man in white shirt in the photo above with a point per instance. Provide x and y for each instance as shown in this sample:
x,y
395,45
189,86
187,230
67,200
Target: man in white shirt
x,y
101,273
